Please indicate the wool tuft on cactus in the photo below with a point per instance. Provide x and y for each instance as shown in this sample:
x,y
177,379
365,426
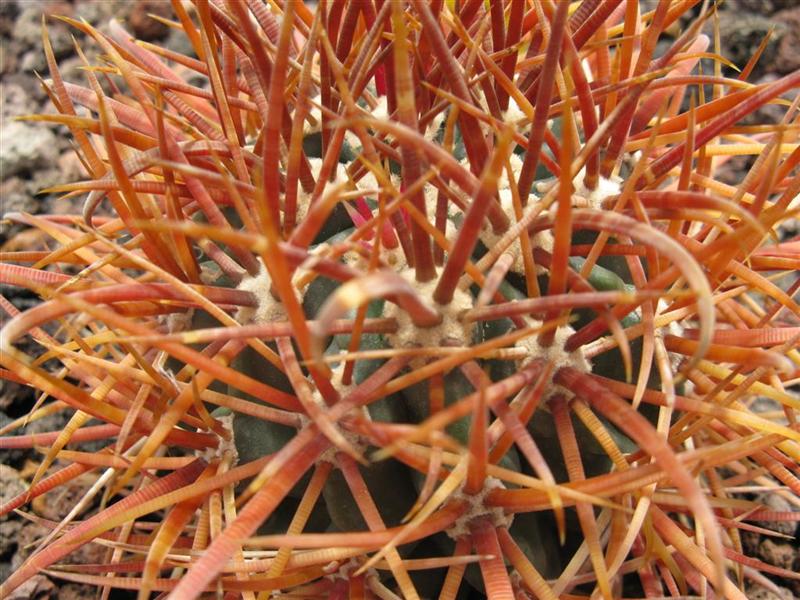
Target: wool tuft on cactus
x,y
393,299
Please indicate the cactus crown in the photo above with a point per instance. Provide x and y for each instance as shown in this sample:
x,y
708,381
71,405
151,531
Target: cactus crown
x,y
425,299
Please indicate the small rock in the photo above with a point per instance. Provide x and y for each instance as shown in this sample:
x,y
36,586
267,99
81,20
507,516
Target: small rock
x,y
26,239
33,94
64,206
37,587
28,28
794,584
9,528
27,539
146,27
29,469
11,485
9,10
780,554
761,7
772,112
53,422
777,503
15,101
741,34
177,41
750,541
15,196
788,229
33,61
788,52
70,167
762,404
74,591
57,504
733,170
45,178
8,56
99,13
71,68
756,592
24,148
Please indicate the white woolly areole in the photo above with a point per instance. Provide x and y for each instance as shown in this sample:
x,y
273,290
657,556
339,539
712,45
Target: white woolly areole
x,y
395,258
554,354
315,113
304,198
225,447
582,196
380,113
336,380
515,160
351,138
269,310
434,126
210,273
545,241
367,182
179,321
605,188
341,570
677,329
392,258
514,114
355,440
518,584
452,328
431,193
541,239
381,110
476,507
315,254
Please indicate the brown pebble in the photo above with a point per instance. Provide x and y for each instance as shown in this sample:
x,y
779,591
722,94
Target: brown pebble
x,y
146,27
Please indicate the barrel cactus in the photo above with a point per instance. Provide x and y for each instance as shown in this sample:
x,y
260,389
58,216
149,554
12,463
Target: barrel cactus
x,y
414,299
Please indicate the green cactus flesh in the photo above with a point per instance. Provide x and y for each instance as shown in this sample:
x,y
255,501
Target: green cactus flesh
x,y
393,486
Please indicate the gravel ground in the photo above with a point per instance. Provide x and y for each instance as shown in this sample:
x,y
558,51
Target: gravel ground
x,y
33,157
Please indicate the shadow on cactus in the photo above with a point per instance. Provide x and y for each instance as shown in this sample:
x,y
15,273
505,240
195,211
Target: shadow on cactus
x,y
424,300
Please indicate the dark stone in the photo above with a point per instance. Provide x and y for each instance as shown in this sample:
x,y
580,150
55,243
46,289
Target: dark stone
x,y
788,47
759,7
776,502
777,552
9,9
741,35
146,27
26,147
28,29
